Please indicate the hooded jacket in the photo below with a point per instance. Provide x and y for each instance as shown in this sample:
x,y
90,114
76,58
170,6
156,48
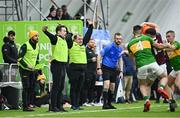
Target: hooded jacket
x,y
9,51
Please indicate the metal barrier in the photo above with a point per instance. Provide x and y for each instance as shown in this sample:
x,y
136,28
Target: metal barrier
x,y
13,72
9,72
4,67
8,76
49,75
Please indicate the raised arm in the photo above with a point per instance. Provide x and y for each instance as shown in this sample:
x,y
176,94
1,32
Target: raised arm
x,y
69,40
53,38
88,34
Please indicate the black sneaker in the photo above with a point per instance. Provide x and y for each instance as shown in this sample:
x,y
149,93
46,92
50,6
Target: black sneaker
x,y
128,101
111,106
74,108
105,107
172,105
55,109
79,108
28,109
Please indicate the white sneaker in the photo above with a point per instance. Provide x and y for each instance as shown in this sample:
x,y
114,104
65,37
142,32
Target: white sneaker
x,y
6,107
98,104
92,103
86,104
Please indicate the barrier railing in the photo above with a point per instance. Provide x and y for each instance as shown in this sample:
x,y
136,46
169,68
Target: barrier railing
x,y
48,74
4,67
13,72
10,72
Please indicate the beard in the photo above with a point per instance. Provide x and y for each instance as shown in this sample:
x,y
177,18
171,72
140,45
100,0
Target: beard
x,y
118,43
35,41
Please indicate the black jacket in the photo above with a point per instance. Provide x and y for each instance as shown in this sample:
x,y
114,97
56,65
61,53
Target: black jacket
x,y
9,51
91,66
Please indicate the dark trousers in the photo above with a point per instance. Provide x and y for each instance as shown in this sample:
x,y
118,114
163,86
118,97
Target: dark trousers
x,y
42,100
88,88
98,93
58,71
28,83
77,75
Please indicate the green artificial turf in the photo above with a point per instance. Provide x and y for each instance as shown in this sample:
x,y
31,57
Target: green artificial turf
x,y
122,111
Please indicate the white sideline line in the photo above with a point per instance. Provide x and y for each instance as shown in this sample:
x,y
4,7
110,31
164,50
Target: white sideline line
x,y
78,112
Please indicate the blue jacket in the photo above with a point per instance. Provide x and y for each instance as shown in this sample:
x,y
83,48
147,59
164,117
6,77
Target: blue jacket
x,y
111,54
128,66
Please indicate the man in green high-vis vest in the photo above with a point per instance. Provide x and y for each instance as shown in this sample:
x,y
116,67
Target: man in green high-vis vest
x,y
27,61
77,66
60,42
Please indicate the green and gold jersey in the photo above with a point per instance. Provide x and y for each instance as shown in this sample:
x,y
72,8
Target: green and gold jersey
x,y
140,47
174,56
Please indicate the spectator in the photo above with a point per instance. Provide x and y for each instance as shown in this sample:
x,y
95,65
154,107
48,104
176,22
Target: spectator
x,y
9,48
90,75
52,13
65,15
41,92
10,53
98,91
128,71
59,13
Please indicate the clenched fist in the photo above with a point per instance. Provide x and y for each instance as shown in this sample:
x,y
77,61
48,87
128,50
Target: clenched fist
x,y
44,28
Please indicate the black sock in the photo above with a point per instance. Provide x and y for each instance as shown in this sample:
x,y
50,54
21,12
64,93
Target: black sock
x,y
110,97
105,97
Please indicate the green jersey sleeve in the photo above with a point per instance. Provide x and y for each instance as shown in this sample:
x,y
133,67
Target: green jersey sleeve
x,y
176,44
128,47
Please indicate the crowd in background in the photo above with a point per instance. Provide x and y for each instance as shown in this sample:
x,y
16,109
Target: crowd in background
x,y
59,13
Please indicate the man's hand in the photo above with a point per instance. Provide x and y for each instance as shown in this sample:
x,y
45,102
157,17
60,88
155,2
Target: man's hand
x,y
168,45
94,59
44,28
30,68
90,22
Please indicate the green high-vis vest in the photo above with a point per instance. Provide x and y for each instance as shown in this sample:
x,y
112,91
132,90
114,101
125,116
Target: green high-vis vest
x,y
60,50
77,54
30,57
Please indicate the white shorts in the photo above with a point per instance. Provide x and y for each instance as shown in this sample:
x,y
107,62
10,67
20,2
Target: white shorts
x,y
164,67
150,71
174,73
